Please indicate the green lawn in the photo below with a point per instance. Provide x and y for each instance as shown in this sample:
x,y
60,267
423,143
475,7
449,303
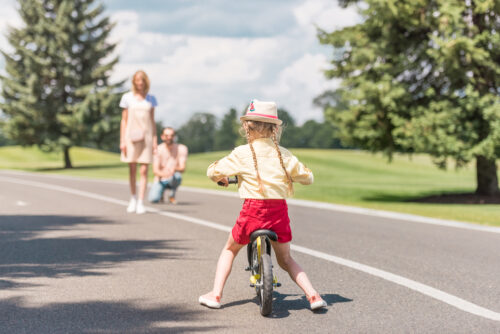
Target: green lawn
x,y
341,176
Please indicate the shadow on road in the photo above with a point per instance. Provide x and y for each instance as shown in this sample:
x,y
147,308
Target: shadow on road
x,y
25,253
97,317
282,304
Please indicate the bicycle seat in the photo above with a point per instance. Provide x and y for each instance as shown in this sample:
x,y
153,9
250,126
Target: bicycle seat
x,y
257,233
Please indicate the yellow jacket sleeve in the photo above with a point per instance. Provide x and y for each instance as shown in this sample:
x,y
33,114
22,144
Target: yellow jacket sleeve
x,y
225,167
299,172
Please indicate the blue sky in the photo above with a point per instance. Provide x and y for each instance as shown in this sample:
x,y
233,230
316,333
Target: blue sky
x,y
211,55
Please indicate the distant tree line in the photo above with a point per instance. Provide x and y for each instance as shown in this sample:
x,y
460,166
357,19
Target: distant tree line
x,y
203,132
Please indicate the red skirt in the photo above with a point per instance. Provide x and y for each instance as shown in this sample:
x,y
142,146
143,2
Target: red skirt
x,y
270,214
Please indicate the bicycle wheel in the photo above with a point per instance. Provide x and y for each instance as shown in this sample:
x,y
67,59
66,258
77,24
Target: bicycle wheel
x,y
254,265
266,288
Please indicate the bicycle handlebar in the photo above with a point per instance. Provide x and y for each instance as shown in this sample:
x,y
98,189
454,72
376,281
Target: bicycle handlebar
x,y
231,180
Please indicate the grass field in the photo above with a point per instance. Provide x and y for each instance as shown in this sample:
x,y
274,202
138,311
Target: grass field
x,y
341,176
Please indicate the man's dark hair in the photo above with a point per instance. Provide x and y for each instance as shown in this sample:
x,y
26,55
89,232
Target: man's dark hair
x,y
167,128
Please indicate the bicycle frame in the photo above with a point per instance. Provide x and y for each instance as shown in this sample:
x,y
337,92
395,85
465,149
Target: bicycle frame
x,y
258,246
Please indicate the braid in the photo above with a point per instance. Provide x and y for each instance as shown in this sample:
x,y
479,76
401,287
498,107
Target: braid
x,y
261,187
288,177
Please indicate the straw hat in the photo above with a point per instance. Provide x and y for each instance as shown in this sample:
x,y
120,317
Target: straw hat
x,y
262,111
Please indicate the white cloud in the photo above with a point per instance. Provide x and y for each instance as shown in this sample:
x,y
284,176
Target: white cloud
x,y
297,86
8,18
325,14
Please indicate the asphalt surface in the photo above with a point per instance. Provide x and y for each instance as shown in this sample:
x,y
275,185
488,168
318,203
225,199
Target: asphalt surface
x,y
74,262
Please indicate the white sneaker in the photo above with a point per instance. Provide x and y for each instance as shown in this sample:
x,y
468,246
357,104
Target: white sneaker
x,y
140,208
132,205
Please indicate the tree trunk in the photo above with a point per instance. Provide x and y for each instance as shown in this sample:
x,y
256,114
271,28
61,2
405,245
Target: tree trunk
x,y
67,159
487,180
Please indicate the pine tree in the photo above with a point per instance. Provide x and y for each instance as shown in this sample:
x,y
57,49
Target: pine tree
x,y
57,92
422,76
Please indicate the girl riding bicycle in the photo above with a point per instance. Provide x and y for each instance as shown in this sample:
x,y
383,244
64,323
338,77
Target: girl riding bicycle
x,y
265,173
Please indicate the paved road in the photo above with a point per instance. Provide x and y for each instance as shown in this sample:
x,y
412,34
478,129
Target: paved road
x,y
73,261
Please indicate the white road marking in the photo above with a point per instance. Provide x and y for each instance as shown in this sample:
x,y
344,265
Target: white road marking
x,y
413,285
318,205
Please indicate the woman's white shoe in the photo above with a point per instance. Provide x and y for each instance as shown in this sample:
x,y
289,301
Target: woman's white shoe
x,y
132,205
140,208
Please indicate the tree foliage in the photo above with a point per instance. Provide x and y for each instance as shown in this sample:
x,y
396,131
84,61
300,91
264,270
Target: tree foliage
x,y
311,134
289,136
56,93
3,139
198,133
228,132
422,76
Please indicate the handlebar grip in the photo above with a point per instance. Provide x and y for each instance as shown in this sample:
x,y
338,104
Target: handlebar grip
x,y
231,180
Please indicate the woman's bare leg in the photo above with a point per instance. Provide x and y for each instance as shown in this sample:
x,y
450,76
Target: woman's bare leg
x,y
131,177
143,181
285,260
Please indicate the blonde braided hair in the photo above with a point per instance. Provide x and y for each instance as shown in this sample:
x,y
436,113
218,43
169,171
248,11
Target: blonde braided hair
x,y
249,139
265,130
289,180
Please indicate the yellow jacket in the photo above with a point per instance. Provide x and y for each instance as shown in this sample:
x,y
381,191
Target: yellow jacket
x,y
240,162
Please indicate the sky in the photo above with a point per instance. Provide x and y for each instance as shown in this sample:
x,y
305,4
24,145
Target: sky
x,y
212,55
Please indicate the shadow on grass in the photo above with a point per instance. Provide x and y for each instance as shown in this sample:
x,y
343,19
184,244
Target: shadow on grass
x,y
55,169
25,253
439,198
98,317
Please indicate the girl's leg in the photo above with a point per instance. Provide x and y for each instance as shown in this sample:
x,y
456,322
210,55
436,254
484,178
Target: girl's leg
x,y
224,266
131,177
143,181
285,260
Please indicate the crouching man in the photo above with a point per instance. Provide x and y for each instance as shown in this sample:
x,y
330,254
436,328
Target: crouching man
x,y
168,165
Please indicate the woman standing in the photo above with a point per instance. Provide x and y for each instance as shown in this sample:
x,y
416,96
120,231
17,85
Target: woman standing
x,y
138,136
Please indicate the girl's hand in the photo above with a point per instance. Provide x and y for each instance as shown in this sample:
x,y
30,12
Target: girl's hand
x,y
224,182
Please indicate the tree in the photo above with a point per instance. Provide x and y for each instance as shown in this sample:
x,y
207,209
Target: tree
x,y
3,140
198,133
290,135
422,76
228,133
313,134
56,92
159,130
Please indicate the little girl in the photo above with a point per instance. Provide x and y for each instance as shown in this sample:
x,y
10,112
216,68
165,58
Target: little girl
x,y
265,173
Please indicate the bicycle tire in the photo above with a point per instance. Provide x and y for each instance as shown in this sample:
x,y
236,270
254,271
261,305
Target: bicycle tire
x,y
254,265
266,290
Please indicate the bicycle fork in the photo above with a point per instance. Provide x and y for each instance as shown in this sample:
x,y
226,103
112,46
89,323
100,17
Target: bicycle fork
x,y
255,279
